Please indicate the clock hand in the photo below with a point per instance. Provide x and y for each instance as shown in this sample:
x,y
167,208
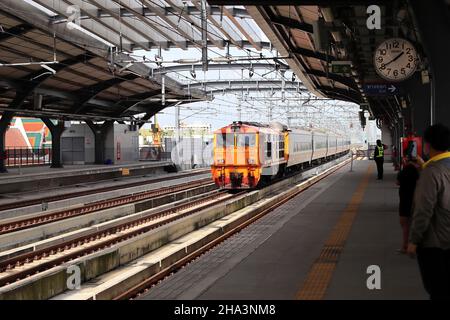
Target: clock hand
x,y
398,56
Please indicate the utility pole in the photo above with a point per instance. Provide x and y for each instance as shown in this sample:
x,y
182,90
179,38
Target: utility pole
x,y
288,115
240,99
269,112
177,123
239,109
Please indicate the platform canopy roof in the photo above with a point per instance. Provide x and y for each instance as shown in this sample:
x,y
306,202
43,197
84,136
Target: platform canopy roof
x,y
292,27
54,62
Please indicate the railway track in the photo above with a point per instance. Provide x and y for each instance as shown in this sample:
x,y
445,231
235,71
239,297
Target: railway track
x,y
21,224
25,203
142,288
28,264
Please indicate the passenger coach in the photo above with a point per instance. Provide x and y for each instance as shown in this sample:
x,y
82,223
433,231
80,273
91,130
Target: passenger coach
x,y
249,153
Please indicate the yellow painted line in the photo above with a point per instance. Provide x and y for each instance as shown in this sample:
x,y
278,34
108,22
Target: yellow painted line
x,y
321,272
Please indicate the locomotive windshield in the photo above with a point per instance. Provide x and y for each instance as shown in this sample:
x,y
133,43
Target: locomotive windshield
x,y
242,140
246,140
225,140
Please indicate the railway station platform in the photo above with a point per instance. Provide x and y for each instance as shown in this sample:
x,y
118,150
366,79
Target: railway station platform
x,y
38,178
318,245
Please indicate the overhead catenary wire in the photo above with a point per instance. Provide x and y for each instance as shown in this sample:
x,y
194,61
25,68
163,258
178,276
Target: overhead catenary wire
x,y
213,51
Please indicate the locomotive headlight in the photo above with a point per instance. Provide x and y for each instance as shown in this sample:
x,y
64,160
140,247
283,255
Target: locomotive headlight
x,y
251,161
220,161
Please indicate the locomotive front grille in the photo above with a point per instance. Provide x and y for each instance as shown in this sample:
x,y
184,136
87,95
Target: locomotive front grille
x,y
236,179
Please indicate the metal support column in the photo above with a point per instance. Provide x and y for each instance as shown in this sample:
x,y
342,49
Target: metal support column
x,y
100,131
56,131
4,125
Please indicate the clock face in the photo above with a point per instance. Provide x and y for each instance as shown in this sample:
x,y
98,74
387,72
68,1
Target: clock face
x,y
395,59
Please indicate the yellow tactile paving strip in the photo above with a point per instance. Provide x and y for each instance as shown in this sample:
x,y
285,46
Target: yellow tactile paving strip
x,y
321,272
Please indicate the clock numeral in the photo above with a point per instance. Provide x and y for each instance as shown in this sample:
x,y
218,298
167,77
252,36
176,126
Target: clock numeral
x,y
394,44
395,59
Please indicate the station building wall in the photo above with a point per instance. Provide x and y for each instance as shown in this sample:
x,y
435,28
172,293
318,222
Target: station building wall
x,y
121,145
78,131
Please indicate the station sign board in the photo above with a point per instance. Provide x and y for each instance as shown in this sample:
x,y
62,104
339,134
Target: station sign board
x,y
381,89
341,67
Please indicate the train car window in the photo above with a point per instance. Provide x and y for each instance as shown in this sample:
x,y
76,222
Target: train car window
x,y
246,140
269,149
306,143
280,149
321,143
225,140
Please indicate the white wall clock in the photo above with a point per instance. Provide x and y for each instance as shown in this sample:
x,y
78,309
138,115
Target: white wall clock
x,y
395,59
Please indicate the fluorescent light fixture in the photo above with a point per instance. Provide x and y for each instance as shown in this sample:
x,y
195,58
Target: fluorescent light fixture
x,y
125,67
42,8
75,26
48,68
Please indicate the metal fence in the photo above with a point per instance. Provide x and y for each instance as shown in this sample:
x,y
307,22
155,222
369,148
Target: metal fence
x,y
27,156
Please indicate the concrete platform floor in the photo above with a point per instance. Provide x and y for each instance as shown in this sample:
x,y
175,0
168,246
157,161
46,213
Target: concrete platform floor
x,y
275,257
45,170
39,178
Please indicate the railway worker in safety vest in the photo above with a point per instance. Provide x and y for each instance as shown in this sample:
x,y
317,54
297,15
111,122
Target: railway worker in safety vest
x,y
379,158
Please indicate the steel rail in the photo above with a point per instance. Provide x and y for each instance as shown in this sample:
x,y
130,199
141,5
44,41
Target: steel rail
x,y
146,285
25,203
26,223
21,260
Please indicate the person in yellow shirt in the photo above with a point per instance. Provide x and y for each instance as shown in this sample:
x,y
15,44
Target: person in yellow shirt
x,y
429,237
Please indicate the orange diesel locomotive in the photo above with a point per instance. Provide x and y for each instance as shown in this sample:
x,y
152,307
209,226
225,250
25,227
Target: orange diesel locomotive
x,y
248,153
